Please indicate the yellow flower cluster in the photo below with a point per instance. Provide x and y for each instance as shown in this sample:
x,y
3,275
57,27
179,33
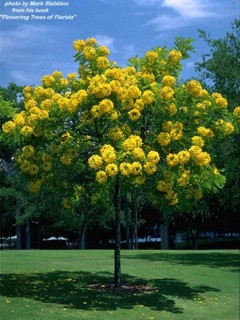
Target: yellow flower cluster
x,y
71,76
236,115
205,133
150,167
134,114
51,81
125,168
104,107
28,167
224,127
151,56
153,157
202,106
46,165
8,126
28,151
68,156
38,102
168,81
171,132
132,142
182,157
138,153
172,159
115,134
174,56
48,80
78,45
66,203
103,63
136,168
200,158
195,88
184,179
222,102
89,52
99,87
108,153
172,109
111,169
197,141
148,76
34,186
176,132
147,97
95,162
136,163
167,93
167,126
236,112
194,193
26,159
164,139
166,187
101,176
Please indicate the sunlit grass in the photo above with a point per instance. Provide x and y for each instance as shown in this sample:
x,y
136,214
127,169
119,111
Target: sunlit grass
x,y
49,285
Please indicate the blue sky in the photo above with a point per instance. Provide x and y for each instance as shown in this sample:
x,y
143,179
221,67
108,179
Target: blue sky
x,y
31,48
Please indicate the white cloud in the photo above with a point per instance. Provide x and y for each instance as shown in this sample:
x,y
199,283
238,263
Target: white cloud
x,y
189,8
18,42
175,14
186,8
167,22
22,36
105,41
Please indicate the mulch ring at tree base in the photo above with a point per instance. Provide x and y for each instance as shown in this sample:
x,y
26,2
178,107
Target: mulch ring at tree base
x,y
125,288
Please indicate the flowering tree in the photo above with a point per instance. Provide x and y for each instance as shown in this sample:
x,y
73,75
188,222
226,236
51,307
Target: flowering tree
x,y
122,129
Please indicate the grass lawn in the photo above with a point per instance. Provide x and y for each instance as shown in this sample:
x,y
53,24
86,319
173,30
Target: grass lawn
x,y
54,284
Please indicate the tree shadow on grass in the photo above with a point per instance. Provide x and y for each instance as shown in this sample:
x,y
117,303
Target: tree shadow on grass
x,y
222,260
72,290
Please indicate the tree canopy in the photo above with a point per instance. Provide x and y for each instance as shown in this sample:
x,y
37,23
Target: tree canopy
x,y
220,68
116,129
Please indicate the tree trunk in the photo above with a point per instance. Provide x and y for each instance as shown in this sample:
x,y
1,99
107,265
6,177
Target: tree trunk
x,y
28,236
117,251
82,237
18,228
126,216
165,235
135,218
194,234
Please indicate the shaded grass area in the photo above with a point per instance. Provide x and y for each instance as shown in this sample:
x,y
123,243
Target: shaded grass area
x,y
70,289
211,259
57,285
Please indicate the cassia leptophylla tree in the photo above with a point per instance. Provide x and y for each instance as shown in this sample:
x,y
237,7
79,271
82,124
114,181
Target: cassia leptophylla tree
x,y
131,127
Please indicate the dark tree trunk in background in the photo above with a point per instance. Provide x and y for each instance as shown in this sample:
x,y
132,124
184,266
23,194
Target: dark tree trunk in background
x,y
83,237
28,236
194,234
165,243
126,217
117,251
18,228
135,220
